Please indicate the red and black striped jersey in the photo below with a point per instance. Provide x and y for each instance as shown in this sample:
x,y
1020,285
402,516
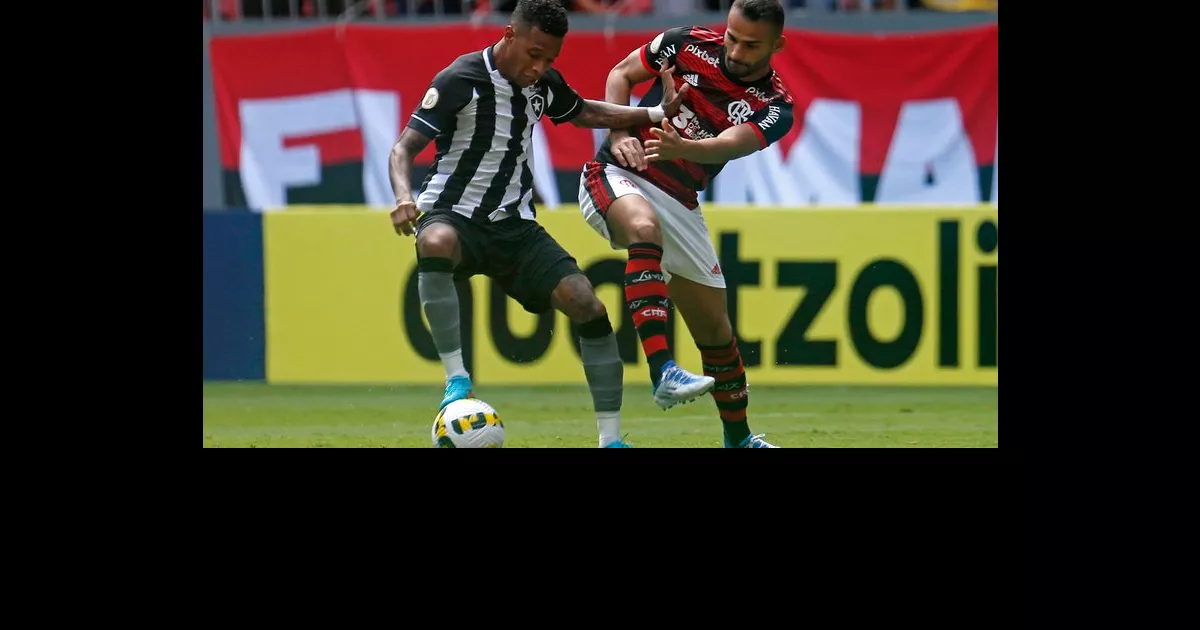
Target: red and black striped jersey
x,y
715,102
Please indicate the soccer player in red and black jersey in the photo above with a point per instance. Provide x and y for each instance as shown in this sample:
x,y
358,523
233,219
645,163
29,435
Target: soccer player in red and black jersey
x,y
640,193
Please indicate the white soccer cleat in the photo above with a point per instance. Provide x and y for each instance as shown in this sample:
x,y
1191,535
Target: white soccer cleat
x,y
677,385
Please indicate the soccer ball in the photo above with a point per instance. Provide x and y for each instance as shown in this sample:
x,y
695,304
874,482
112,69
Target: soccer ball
x,y
468,423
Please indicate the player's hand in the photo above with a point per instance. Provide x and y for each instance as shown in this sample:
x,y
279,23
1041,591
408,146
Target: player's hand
x,y
404,215
668,144
628,150
671,100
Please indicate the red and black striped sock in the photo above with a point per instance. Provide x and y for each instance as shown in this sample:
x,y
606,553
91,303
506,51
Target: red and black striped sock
x,y
646,299
724,363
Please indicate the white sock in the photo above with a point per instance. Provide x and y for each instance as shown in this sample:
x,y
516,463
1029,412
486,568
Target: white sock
x,y
453,362
609,425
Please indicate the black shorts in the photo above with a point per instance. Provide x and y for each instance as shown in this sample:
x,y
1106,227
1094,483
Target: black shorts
x,y
519,254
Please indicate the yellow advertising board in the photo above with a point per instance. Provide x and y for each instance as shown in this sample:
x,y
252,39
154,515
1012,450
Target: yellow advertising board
x,y
866,295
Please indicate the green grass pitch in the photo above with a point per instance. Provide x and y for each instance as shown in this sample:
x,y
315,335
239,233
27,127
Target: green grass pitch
x,y
258,415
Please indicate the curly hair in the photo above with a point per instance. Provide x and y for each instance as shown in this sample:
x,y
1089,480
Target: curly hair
x,y
547,15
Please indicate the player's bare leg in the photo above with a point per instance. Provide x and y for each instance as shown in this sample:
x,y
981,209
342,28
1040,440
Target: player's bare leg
x,y
439,253
576,298
635,227
704,309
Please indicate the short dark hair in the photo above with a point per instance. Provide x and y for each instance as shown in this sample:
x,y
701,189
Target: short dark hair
x,y
547,15
761,11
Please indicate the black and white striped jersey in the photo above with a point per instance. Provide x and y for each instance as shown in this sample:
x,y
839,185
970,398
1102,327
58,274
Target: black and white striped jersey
x,y
483,126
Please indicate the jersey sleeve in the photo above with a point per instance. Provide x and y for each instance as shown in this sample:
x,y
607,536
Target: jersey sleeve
x,y
772,123
664,47
447,94
565,103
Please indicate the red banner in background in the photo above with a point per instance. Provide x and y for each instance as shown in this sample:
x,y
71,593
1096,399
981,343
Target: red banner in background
x,y
349,90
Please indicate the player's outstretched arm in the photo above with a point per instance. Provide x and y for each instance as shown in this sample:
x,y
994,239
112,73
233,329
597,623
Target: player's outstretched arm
x,y
410,143
602,115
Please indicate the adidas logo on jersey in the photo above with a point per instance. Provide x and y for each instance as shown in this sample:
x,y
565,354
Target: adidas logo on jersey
x,y
694,79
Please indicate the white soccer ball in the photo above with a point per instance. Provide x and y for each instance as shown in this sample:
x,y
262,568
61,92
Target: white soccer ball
x,y
468,423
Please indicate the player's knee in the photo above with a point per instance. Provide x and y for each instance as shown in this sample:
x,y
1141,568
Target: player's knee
x,y
576,298
437,241
591,309
643,230
586,310
632,220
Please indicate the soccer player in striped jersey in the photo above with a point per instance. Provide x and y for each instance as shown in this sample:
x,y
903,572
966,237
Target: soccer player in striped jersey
x,y
474,212
640,193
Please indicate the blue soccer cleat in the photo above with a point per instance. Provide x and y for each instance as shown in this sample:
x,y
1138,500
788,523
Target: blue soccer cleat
x,y
621,443
457,388
752,441
677,385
